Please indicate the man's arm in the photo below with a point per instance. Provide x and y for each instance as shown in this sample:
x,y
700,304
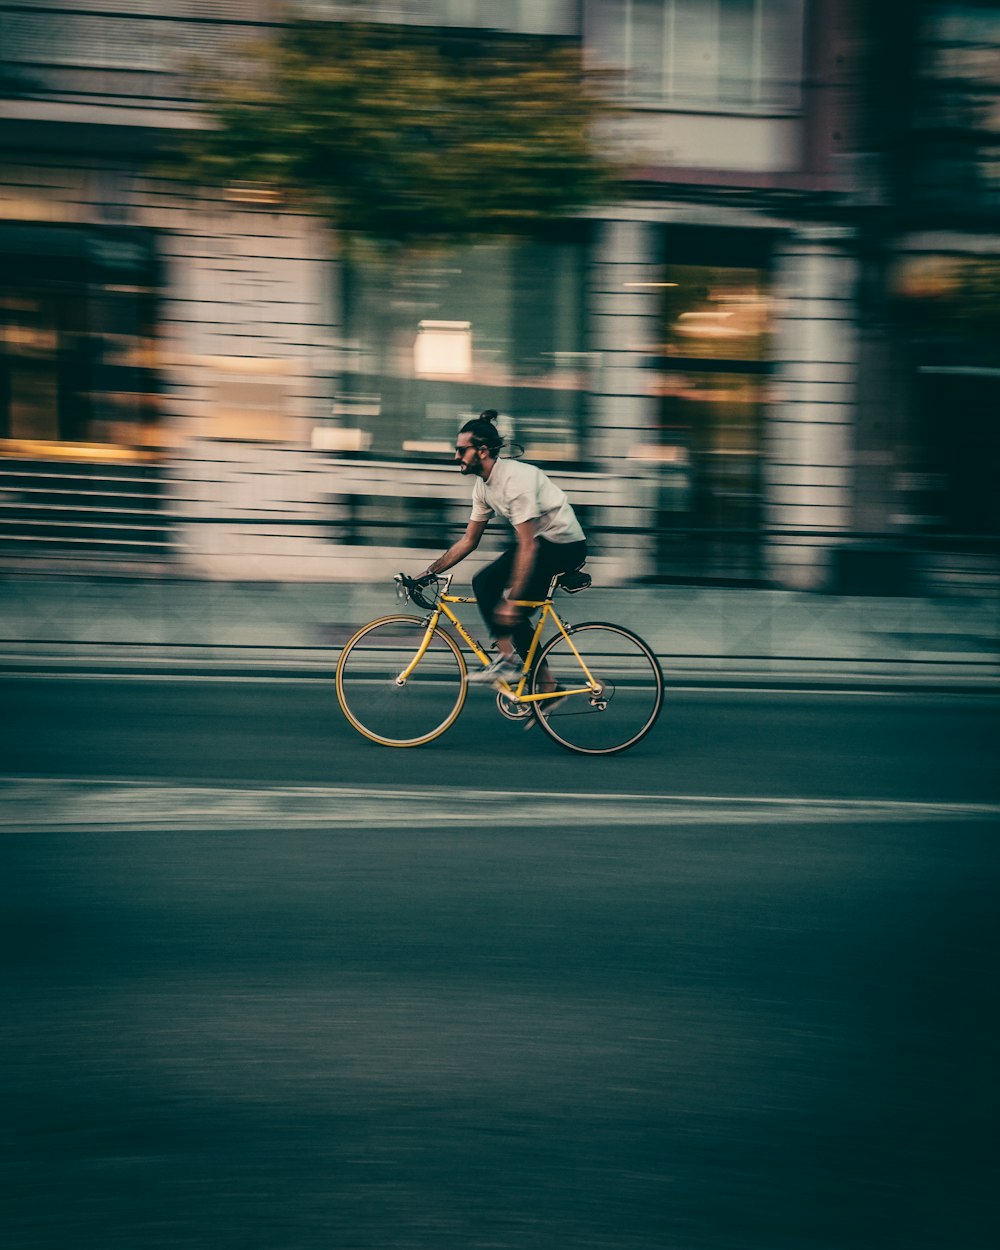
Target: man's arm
x,y
458,551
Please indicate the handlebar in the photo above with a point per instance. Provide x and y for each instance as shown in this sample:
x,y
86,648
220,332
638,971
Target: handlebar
x,y
415,587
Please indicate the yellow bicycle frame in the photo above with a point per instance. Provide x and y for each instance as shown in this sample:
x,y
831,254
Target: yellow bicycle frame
x,y
517,693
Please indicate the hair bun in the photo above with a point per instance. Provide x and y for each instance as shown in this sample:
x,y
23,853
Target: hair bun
x,y
490,414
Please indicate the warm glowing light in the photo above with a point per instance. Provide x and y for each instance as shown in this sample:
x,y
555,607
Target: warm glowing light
x,y
443,348
251,193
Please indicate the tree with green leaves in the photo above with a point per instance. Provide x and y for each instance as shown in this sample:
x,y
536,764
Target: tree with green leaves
x,y
401,134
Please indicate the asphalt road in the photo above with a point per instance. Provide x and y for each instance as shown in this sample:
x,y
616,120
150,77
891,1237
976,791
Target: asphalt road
x,y
267,986
711,742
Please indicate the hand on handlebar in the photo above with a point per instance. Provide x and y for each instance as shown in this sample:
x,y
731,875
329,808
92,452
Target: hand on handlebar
x,y
413,587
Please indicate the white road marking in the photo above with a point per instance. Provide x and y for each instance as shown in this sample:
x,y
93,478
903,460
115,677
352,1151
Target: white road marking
x,y
32,805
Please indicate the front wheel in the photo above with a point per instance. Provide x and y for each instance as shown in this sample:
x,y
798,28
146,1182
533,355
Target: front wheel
x,y
383,706
623,695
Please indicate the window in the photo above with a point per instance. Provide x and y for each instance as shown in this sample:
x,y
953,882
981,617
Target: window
x,y
729,55
77,326
532,17
712,368
435,339
949,309
957,114
709,368
114,41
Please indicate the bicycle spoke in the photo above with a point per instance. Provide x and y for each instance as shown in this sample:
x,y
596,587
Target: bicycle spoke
x,y
382,708
627,689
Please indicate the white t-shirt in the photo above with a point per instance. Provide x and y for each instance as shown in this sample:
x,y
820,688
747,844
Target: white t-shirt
x,y
519,492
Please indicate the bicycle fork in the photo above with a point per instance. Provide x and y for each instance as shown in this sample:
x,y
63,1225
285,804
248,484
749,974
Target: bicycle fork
x,y
430,626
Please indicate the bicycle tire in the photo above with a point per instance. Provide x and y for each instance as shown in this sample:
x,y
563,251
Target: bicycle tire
x,y
628,704
394,715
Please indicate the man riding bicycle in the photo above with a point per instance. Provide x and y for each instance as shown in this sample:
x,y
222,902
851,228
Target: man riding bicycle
x,y
549,540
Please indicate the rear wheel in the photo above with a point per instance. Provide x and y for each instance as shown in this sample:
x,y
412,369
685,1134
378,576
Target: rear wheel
x,y
383,707
620,706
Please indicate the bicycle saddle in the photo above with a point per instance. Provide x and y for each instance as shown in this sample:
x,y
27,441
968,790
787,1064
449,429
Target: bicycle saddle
x,y
574,581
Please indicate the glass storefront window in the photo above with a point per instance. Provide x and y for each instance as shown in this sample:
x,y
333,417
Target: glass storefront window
x,y
710,375
436,339
957,109
77,355
710,379
30,345
949,311
714,313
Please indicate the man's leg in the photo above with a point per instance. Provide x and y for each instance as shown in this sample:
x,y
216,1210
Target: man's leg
x,y
488,586
552,558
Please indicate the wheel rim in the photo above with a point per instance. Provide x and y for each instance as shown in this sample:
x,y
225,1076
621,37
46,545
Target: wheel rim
x,y
377,705
624,707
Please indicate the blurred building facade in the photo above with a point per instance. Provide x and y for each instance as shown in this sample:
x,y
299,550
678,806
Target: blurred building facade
x,y
774,361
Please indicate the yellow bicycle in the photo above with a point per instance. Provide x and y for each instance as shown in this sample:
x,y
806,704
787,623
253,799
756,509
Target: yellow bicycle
x,y
594,688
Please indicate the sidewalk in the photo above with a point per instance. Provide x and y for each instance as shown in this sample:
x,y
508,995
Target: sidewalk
x,y
702,635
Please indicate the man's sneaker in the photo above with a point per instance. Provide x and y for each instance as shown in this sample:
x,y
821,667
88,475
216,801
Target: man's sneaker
x,y
500,670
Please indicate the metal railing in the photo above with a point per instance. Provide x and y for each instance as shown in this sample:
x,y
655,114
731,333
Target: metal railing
x,y
127,518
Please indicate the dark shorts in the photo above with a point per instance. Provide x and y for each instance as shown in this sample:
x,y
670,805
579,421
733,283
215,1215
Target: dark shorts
x,y
490,582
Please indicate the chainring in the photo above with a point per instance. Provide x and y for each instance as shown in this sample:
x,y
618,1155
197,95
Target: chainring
x,y
513,711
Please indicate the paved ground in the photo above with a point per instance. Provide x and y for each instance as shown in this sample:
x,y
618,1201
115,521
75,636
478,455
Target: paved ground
x,y
768,1036
715,742
268,985
701,633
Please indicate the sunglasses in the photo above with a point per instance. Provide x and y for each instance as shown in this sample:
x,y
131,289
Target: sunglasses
x,y
460,451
